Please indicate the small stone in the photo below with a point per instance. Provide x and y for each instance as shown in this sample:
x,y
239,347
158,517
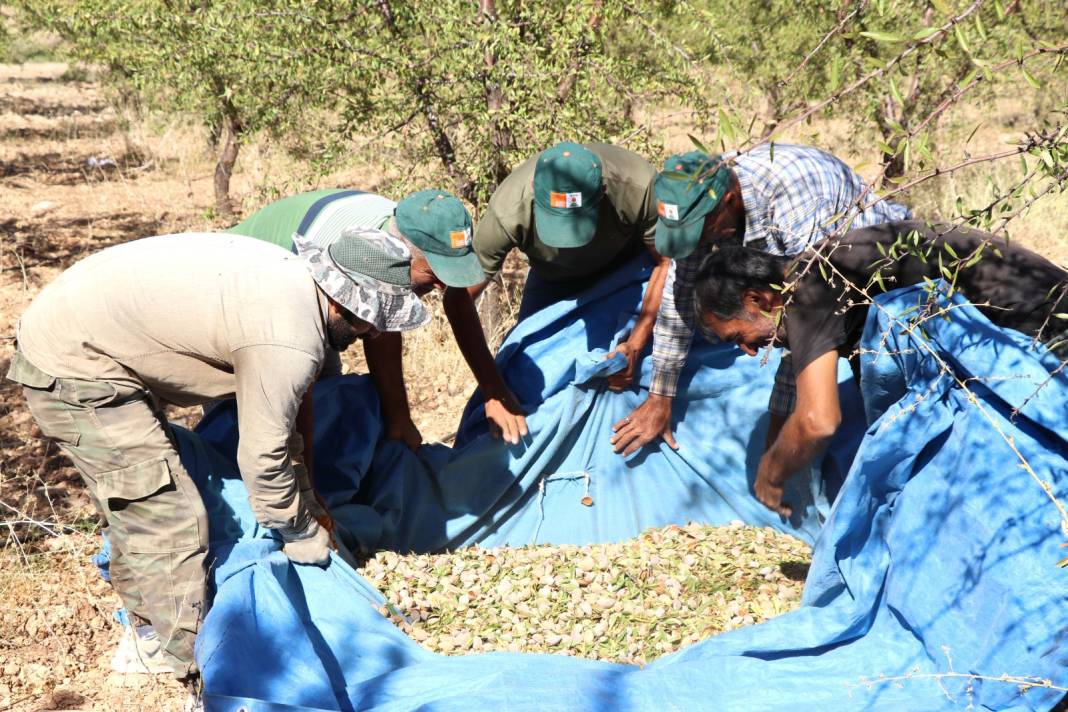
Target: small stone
x,y
43,207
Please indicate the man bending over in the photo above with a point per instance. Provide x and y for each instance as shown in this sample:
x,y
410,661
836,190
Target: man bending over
x,y
185,319
756,299
776,198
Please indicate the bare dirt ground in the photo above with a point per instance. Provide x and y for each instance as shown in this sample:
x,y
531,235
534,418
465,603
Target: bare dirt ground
x,y
77,175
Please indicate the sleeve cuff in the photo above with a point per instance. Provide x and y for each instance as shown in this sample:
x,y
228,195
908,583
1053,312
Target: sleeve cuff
x,y
665,381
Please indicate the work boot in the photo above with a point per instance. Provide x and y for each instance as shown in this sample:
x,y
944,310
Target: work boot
x,y
140,651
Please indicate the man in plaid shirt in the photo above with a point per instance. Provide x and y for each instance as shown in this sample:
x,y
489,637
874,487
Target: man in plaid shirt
x,y
777,198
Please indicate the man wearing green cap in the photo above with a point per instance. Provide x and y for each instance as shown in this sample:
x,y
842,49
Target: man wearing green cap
x,y
184,319
437,229
776,197
577,211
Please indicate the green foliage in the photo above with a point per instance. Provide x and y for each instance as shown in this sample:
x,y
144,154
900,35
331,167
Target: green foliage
x,y
918,58
5,40
477,88
184,55
18,47
472,87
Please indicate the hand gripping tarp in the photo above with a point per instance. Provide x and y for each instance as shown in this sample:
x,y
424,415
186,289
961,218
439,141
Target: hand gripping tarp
x,y
934,576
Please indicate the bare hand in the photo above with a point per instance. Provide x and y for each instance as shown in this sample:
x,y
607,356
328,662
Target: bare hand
x,y
406,432
770,494
621,380
506,418
647,422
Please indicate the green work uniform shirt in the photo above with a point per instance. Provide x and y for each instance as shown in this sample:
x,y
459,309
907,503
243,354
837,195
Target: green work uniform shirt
x,y
626,218
317,214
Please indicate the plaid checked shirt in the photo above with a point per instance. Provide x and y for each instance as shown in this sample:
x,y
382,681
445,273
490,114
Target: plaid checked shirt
x,y
792,199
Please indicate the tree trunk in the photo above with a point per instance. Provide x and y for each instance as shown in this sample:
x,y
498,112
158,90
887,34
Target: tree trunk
x,y
893,165
773,108
491,303
442,143
566,84
224,167
500,136
491,314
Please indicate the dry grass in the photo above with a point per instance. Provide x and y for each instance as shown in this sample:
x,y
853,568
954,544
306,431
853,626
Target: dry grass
x,y
56,630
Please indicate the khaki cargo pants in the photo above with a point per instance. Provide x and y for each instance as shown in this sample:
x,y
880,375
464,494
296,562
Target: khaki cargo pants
x,y
126,453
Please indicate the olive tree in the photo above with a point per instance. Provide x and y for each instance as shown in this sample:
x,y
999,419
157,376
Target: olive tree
x,y
894,66
472,86
206,58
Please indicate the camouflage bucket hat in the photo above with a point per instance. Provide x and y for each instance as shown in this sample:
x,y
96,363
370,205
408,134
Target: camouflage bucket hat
x,y
367,271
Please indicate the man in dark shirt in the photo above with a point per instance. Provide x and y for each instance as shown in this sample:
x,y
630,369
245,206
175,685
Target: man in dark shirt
x,y
816,304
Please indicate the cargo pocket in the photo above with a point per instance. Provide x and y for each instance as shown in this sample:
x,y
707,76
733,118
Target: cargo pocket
x,y
150,512
53,416
20,370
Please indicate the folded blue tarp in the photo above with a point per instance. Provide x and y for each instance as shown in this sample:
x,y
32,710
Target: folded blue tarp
x,y
938,561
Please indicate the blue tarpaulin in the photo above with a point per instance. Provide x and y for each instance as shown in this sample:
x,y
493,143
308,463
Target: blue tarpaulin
x,y
934,575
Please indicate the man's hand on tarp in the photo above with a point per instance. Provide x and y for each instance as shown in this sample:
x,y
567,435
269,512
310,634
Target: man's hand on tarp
x,y
621,380
405,431
506,417
770,493
647,422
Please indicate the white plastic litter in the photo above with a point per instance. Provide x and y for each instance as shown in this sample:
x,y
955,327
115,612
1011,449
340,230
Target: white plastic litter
x,y
100,162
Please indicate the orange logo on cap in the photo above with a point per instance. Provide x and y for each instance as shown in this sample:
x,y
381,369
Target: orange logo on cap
x,y
565,200
460,238
668,211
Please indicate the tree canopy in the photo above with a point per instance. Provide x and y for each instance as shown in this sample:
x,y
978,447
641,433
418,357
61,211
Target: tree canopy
x,y
474,87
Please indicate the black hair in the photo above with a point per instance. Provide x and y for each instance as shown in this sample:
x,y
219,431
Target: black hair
x,y
726,272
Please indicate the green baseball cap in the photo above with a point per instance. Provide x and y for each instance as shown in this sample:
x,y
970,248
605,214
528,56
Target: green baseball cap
x,y
437,223
685,194
568,186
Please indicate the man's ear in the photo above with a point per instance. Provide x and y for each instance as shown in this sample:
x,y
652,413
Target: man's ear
x,y
333,309
733,197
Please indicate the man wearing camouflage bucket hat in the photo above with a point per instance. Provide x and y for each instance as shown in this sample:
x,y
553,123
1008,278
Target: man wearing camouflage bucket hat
x,y
776,197
184,319
436,228
577,211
